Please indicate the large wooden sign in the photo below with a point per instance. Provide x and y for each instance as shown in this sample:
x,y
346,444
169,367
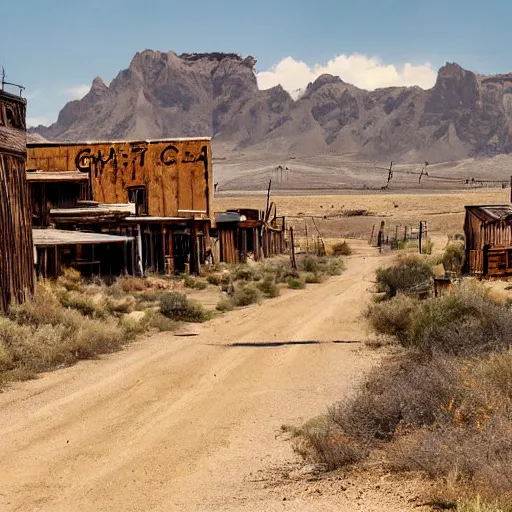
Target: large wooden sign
x,y
166,178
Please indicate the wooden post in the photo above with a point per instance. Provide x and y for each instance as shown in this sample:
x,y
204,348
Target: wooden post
x,y
307,236
511,189
371,237
268,198
292,250
420,236
140,265
405,233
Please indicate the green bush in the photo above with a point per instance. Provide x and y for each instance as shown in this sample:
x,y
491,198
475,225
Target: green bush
x,y
296,284
408,272
176,306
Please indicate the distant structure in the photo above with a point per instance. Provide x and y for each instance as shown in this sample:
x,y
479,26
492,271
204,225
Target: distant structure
x,y
17,279
488,239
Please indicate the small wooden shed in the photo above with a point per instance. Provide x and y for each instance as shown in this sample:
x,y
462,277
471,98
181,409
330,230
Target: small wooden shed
x,y
488,240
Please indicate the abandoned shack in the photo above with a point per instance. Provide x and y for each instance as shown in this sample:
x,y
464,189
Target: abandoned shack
x,y
91,253
17,280
169,183
244,233
488,240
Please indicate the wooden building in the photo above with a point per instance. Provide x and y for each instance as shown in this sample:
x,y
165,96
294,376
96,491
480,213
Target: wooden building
x,y
488,240
169,182
245,233
17,278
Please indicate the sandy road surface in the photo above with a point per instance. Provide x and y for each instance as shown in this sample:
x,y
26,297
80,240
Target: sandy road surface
x,y
191,423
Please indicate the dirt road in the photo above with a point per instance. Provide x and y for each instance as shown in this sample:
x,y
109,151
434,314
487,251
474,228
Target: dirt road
x,y
192,423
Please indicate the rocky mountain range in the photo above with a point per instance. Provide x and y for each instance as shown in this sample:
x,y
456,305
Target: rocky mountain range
x,y
165,95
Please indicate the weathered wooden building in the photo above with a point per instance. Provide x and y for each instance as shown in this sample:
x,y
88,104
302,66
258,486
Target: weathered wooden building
x,y
169,182
488,240
245,233
16,250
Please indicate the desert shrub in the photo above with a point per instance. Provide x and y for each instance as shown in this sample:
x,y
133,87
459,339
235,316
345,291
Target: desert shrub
x,y
132,284
176,306
155,320
408,272
427,247
356,213
194,283
309,263
82,303
453,258
44,308
246,273
393,317
268,287
478,505
313,278
245,296
70,279
225,304
96,337
459,236
280,267
328,446
341,249
214,279
120,306
296,284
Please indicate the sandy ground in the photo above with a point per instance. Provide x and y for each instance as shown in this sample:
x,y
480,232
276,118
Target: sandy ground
x,y
192,423
443,211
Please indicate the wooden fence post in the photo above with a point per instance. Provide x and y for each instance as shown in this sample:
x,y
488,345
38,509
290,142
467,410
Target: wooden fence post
x,y
420,236
292,250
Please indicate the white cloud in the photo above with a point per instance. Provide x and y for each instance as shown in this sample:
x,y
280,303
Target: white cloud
x,y
359,70
32,122
77,92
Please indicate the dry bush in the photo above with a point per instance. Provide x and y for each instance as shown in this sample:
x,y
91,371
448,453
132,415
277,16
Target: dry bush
x,y
132,284
214,279
245,296
341,249
393,317
70,279
155,320
246,273
86,305
176,306
44,308
194,283
453,257
408,272
268,287
313,278
225,304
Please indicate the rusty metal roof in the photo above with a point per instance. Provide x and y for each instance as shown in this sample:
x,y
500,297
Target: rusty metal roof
x,y
492,213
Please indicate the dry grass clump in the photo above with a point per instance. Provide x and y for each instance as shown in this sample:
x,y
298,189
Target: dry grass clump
x,y
177,306
408,272
245,296
341,249
195,283
453,257
269,287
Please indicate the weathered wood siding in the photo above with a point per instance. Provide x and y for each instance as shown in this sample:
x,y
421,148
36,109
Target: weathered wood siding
x,y
17,277
176,174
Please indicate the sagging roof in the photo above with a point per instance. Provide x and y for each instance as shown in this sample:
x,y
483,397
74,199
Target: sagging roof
x,y
56,176
54,237
491,213
136,141
95,210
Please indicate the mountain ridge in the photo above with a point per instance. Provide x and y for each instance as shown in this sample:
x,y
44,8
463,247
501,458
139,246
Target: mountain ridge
x,y
165,95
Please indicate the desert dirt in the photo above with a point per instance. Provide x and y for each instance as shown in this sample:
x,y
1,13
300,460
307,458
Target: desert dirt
x,y
193,422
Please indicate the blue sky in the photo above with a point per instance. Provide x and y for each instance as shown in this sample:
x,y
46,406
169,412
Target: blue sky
x,y
56,48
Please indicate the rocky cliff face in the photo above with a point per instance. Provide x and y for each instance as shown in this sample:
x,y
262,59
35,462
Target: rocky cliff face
x,y
216,94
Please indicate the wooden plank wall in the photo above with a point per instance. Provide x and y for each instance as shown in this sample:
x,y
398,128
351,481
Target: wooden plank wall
x,y
177,174
17,277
